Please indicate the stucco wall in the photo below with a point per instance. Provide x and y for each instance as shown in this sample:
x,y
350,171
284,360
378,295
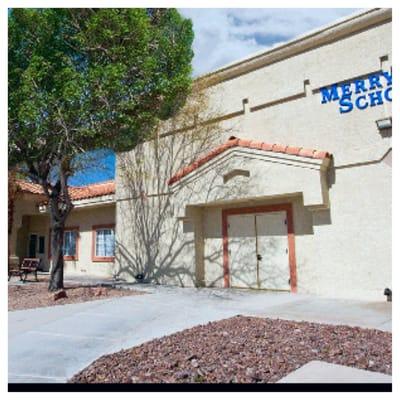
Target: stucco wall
x,y
304,121
351,255
152,241
26,220
22,239
341,251
85,219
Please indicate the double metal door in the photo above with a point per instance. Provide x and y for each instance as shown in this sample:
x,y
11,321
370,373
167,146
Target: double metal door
x,y
258,251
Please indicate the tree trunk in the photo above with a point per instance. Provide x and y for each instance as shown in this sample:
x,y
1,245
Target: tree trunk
x,y
57,242
12,191
60,206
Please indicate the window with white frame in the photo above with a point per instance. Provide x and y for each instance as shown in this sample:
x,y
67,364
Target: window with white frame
x,y
105,242
70,243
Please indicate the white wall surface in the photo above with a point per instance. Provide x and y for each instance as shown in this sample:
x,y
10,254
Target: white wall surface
x,y
343,250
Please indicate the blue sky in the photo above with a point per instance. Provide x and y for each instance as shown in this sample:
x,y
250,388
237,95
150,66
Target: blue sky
x,y
101,168
224,35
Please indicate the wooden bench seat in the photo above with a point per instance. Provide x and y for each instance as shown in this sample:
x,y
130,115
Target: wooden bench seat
x,y
28,266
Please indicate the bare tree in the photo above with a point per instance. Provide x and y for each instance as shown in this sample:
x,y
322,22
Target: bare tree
x,y
146,198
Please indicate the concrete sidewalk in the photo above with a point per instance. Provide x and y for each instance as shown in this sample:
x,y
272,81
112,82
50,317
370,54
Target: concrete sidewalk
x,y
323,372
52,344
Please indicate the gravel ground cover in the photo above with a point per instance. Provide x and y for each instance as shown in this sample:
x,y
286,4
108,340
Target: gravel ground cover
x,y
35,294
244,350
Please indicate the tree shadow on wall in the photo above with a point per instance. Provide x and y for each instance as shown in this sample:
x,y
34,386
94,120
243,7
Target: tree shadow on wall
x,y
151,239
157,244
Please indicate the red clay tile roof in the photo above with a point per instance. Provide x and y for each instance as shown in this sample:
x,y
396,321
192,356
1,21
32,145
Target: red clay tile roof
x,y
28,187
251,144
93,190
76,192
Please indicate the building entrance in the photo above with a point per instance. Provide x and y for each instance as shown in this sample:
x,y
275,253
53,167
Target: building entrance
x,y
258,251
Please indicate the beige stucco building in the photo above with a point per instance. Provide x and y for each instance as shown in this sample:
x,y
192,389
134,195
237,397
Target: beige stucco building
x,y
295,192
92,216
265,210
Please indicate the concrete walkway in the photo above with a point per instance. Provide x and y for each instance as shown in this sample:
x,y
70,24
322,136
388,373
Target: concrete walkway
x,y
51,344
323,372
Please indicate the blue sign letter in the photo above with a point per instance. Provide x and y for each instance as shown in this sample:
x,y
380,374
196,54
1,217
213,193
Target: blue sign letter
x,y
345,104
329,95
375,98
346,89
386,94
388,77
361,106
374,82
360,85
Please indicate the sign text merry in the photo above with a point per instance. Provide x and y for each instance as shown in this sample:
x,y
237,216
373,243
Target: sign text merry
x,y
360,93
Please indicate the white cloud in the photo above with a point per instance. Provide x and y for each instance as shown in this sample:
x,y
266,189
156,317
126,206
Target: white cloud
x,y
225,35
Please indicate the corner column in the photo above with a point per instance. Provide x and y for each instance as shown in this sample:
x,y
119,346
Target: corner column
x,y
13,259
197,215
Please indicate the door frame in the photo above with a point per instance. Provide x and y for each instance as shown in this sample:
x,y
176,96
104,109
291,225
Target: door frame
x,y
42,256
29,243
288,208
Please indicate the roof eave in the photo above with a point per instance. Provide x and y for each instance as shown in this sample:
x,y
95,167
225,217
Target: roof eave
x,y
320,159
338,29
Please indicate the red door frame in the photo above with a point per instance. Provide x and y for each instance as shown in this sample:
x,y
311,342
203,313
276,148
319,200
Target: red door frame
x,y
287,207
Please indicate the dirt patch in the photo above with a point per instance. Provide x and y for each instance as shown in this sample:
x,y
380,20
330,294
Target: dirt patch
x,y
35,294
242,349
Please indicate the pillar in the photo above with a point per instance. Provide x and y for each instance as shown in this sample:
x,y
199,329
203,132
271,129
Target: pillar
x,y
197,217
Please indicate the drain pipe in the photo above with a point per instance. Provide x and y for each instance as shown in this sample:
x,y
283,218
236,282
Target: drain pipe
x,y
388,293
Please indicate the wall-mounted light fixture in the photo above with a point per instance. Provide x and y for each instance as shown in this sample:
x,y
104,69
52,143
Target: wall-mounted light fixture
x,y
384,123
42,208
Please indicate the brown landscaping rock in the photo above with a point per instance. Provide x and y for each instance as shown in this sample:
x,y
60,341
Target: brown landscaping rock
x,y
35,294
59,294
100,291
244,350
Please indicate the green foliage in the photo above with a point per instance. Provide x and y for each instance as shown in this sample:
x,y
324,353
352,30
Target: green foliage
x,y
84,79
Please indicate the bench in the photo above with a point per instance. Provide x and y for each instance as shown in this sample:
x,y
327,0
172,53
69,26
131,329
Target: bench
x,y
28,266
